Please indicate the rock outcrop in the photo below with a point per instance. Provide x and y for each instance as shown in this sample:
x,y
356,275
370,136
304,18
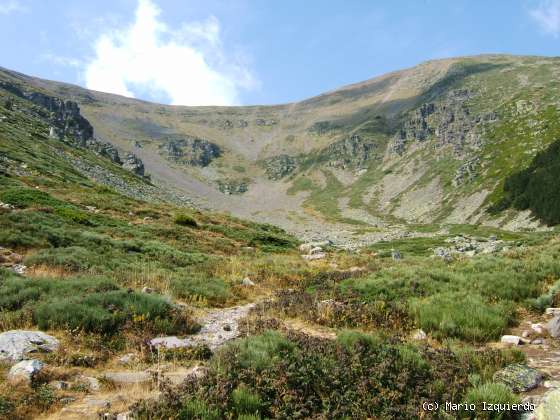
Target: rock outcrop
x,y
449,122
350,153
234,186
278,167
69,125
191,151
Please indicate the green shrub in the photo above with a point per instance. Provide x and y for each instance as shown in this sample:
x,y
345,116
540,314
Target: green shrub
x,y
26,197
260,352
74,258
195,409
245,401
492,393
350,339
74,215
468,317
89,304
212,289
185,220
536,187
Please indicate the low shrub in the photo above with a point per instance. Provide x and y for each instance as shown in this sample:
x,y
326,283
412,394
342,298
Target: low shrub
x,y
198,288
492,393
468,317
185,220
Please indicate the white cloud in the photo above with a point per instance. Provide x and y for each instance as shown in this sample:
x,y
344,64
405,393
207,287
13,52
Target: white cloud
x,y
547,16
10,6
187,65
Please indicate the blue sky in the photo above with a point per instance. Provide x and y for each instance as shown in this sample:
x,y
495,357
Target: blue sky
x,y
257,51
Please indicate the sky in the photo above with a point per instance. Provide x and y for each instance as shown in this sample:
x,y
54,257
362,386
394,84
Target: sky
x,y
246,52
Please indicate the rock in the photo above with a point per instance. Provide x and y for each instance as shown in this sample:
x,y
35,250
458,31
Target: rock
x,y
178,376
6,206
316,250
60,385
525,334
314,256
227,327
91,382
511,339
551,384
247,282
25,371
92,209
419,335
127,415
170,342
233,186
549,406
552,311
277,167
19,269
128,359
67,400
133,164
352,152
553,327
537,341
148,290
396,255
97,403
518,377
308,246
15,345
190,151
538,328
129,378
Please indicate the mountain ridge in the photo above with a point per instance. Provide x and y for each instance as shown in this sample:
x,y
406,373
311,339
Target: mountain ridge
x,y
420,145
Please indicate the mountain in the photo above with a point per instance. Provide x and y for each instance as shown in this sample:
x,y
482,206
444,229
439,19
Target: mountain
x,y
122,296
429,145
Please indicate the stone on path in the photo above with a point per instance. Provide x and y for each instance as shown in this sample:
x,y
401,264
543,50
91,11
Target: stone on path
x,y
511,339
419,335
247,282
518,377
16,345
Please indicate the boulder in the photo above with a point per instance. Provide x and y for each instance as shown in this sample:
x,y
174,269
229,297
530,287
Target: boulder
x,y
127,359
91,382
538,328
247,282
15,345
25,371
396,255
518,377
552,311
316,250
419,335
511,339
549,406
553,327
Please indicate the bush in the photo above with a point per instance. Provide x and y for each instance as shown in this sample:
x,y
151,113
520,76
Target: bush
x,y
468,317
492,393
195,409
245,402
185,220
211,289
351,339
259,352
26,197
536,187
89,304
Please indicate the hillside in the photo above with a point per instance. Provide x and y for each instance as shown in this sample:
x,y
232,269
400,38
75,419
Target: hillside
x,y
427,145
